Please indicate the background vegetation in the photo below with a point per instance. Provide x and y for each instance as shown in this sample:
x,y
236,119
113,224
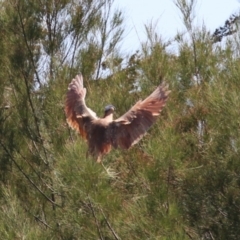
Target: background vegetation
x,y
180,182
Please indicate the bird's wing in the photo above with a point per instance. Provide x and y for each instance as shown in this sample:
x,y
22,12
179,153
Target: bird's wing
x,y
79,116
131,127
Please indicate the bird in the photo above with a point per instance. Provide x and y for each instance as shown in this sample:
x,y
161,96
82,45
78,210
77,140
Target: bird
x,y
103,134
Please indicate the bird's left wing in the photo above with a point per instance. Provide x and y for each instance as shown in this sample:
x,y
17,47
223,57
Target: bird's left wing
x,y
131,127
79,116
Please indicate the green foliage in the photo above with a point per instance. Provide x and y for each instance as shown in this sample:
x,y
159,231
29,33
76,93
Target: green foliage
x,y
181,181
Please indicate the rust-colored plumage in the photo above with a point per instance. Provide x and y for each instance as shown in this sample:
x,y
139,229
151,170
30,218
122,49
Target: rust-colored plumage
x,y
103,133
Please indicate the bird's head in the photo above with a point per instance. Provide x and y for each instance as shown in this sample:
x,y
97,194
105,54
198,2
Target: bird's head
x,y
109,109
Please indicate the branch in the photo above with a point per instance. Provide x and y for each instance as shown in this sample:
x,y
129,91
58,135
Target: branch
x,y
229,28
25,159
110,227
103,37
27,45
36,120
26,176
43,222
37,218
95,218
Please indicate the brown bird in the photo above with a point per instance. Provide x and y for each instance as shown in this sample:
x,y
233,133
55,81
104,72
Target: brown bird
x,y
104,133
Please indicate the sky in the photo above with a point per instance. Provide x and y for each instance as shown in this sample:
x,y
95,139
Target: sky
x,y
213,13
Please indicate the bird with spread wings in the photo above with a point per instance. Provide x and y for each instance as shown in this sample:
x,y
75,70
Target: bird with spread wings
x,y
104,133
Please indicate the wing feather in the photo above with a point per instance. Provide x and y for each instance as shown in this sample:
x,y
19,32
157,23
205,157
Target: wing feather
x,y
127,130
79,116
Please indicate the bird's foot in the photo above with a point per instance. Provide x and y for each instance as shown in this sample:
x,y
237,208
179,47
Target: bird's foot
x,y
110,172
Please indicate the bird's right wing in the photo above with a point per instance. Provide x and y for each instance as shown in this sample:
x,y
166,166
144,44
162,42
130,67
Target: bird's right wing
x,y
127,130
79,116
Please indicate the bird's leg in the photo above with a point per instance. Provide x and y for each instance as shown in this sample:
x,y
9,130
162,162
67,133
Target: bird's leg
x,y
87,154
99,160
109,170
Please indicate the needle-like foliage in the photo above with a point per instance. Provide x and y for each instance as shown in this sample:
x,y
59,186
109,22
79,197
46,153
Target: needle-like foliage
x,y
181,181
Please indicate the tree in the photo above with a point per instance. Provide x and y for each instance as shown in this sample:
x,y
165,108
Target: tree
x,y
180,182
43,44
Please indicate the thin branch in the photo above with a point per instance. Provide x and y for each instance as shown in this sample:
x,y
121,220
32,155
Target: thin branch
x,y
211,235
37,218
110,227
25,159
229,28
189,235
168,186
36,120
27,45
41,221
95,218
103,37
36,148
26,176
